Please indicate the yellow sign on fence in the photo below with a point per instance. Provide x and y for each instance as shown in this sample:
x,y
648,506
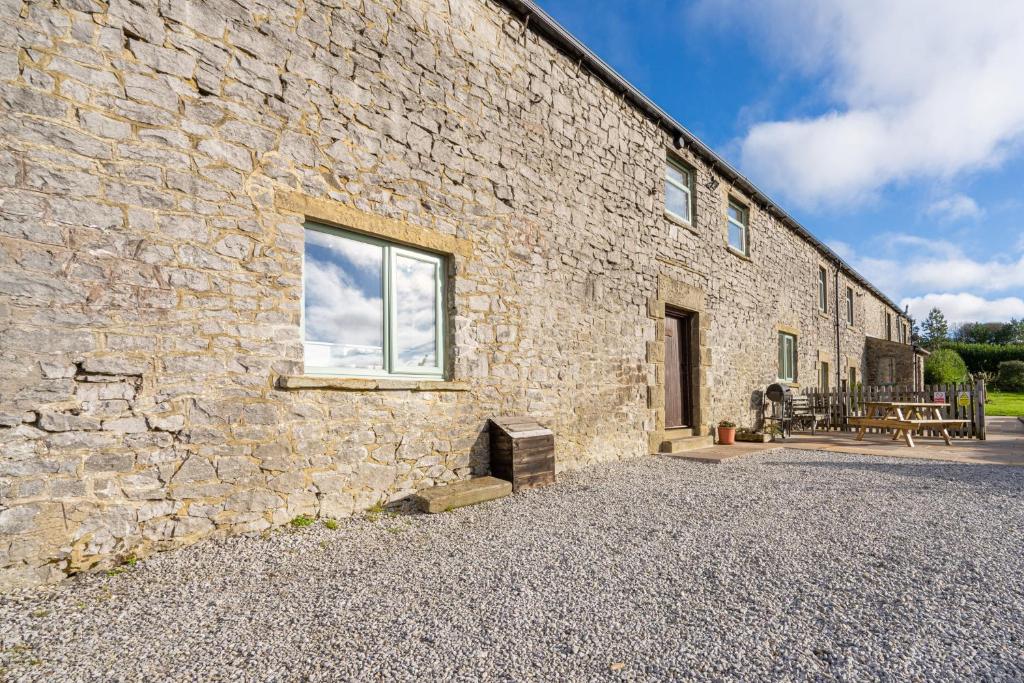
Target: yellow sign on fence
x,y
964,398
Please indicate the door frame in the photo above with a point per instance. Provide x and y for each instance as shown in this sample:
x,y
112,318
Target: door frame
x,y
687,362
673,295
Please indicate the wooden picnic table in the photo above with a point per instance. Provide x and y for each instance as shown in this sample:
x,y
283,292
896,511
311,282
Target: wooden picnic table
x,y
905,417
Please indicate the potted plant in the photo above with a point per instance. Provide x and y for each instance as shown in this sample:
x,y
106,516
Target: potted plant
x,y
726,433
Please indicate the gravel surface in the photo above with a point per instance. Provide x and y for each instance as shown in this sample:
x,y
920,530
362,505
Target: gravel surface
x,y
785,565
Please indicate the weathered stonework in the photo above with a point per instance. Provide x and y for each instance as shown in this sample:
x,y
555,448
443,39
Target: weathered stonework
x,y
889,362
158,159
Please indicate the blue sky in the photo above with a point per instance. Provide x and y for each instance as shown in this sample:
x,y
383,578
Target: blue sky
x,y
893,130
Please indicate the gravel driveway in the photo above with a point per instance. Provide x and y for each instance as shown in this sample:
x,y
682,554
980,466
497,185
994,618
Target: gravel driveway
x,y
784,565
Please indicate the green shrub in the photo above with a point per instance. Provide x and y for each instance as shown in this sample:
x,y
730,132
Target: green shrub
x,y
944,366
1011,375
985,358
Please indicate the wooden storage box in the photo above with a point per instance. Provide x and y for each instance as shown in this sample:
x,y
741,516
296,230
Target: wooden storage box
x,y
522,452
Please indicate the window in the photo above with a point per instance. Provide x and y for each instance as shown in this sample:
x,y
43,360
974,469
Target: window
x,y
849,305
678,191
370,307
787,357
823,378
853,378
888,326
889,376
738,216
822,289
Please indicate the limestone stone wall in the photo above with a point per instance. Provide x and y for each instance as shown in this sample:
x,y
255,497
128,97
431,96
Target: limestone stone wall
x,y
158,159
888,362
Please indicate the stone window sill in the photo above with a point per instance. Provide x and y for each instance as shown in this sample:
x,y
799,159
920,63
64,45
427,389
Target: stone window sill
x,y
293,382
738,254
688,225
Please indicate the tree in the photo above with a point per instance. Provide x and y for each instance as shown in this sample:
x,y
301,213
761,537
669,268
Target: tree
x,y
1015,331
983,333
915,330
991,333
1011,375
934,329
944,366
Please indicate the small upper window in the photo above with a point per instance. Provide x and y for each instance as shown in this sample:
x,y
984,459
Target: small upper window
x,y
679,191
849,305
822,289
888,326
370,307
738,227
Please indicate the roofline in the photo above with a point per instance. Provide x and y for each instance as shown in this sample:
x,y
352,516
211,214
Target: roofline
x,y
544,24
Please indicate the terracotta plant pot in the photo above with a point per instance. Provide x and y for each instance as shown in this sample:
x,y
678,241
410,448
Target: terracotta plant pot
x,y
727,436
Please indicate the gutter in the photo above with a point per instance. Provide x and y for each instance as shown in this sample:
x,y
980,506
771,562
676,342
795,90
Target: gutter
x,y
541,22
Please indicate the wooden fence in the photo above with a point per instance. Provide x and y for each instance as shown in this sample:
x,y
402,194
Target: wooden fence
x,y
840,405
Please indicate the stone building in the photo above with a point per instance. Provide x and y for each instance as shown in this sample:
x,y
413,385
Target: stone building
x,y
262,259
891,362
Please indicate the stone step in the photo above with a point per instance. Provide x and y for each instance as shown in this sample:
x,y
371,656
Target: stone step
x,y
462,493
678,433
716,456
687,443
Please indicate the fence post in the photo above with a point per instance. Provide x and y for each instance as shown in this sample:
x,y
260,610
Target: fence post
x,y
979,409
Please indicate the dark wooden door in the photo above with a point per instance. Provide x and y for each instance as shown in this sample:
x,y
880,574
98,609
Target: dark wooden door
x,y
677,371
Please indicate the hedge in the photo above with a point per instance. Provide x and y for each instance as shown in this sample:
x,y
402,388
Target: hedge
x,y
944,366
986,357
1011,375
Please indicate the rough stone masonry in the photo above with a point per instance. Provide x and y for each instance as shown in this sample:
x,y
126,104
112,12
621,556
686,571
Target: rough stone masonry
x,y
158,161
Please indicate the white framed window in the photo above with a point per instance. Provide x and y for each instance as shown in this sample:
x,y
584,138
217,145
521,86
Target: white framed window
x,y
679,191
823,383
787,357
370,307
849,305
822,289
738,227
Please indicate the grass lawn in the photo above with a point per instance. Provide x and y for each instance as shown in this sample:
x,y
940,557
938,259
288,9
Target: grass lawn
x,y
1004,403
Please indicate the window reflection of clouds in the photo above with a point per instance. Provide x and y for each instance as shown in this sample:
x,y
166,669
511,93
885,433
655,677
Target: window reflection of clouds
x,y
348,311
416,302
344,302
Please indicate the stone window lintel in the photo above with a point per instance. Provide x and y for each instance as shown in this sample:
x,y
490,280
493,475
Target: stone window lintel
x,y
331,212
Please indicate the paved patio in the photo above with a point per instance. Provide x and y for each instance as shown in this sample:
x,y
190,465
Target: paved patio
x,y
1004,446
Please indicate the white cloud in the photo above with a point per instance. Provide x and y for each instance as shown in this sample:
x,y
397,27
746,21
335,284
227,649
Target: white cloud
x,y
962,307
911,265
955,207
344,310
337,310
917,88
362,255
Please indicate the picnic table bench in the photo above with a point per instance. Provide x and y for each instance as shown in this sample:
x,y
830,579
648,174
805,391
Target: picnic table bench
x,y
905,417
